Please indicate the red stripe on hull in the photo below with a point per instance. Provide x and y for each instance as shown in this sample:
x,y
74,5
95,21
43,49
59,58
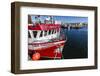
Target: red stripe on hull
x,y
50,52
41,27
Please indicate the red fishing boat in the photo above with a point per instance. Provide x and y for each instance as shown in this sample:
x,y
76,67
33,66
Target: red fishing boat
x,y
45,41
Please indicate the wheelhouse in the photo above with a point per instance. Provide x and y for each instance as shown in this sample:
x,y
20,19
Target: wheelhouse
x,y
43,35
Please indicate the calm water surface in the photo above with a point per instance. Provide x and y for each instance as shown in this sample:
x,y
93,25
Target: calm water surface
x,y
76,45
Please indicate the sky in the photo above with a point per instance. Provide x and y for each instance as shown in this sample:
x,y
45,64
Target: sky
x,y
64,19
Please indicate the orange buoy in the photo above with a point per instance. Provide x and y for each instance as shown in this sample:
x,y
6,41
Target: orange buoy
x,y
36,56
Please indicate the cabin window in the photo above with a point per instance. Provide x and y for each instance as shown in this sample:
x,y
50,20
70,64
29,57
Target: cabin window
x,y
29,36
52,31
49,32
34,34
45,33
41,34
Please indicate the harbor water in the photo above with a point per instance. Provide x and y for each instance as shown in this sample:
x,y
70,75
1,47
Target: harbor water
x,y
76,45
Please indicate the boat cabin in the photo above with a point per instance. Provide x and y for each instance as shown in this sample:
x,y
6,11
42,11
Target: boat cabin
x,y
43,32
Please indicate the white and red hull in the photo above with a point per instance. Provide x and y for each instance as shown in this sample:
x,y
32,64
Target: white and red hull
x,y
48,49
45,39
